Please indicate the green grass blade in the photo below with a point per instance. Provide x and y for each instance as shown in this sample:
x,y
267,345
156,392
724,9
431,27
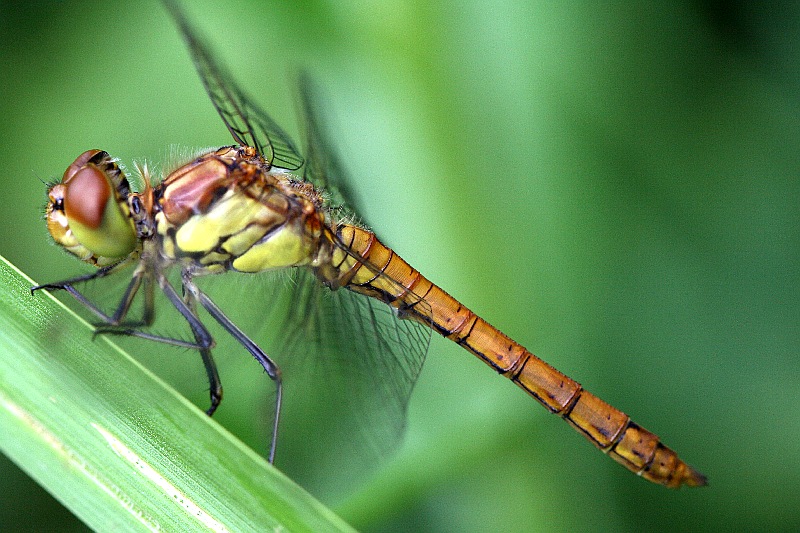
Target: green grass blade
x,y
117,446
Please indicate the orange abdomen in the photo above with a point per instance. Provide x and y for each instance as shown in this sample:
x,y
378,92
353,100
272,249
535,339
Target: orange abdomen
x,y
386,276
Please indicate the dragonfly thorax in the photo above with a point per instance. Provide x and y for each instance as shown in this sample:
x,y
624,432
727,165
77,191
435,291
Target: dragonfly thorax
x,y
228,210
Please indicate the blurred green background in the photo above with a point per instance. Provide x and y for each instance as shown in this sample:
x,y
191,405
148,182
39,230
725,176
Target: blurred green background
x,y
613,185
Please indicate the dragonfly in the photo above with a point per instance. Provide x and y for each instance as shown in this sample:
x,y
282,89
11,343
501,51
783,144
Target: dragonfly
x,y
258,206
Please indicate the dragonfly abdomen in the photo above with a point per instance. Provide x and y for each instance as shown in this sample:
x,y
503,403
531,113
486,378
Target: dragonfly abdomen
x,y
605,426
375,270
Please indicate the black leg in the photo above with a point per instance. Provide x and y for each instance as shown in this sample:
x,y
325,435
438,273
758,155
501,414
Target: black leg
x,y
124,305
273,371
203,339
214,383
99,273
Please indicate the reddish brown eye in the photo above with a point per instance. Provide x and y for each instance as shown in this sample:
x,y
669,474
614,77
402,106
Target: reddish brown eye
x,y
86,197
96,217
78,164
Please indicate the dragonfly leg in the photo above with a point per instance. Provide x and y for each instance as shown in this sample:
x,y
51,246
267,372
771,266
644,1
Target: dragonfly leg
x,y
214,383
148,313
203,339
116,323
122,309
125,331
118,318
271,368
97,274
120,314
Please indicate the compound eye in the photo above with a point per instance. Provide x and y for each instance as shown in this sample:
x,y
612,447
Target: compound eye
x,y
79,163
94,215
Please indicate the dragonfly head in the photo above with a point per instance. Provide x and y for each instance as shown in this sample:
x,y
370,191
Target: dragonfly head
x,y
87,212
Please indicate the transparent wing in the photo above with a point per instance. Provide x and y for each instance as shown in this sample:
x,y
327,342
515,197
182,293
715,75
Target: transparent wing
x,y
247,122
323,168
349,366
357,359
349,363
